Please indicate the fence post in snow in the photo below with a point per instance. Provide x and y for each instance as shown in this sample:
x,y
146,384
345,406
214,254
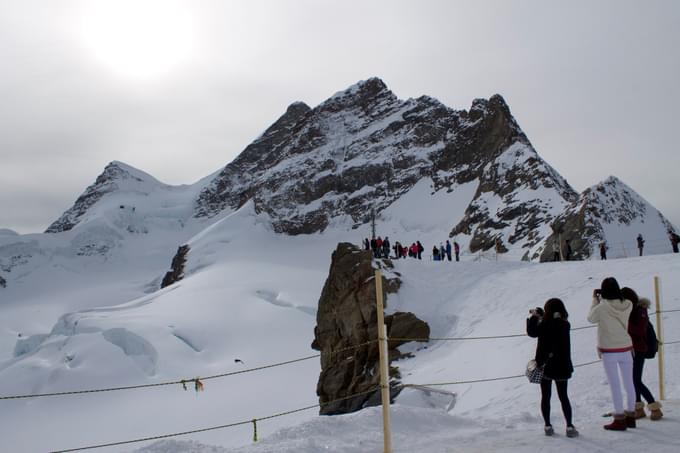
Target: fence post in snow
x,y
659,333
384,363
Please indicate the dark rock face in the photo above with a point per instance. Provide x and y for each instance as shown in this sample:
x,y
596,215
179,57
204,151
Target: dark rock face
x,y
176,272
365,148
3,282
105,183
347,316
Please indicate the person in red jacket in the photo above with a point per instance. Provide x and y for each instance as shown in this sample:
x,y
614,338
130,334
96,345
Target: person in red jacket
x,y
637,329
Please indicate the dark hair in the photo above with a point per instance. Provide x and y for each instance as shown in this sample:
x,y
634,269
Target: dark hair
x,y
628,293
553,306
610,289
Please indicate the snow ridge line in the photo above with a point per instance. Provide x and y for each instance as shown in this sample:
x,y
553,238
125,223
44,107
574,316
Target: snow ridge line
x,y
183,382
230,425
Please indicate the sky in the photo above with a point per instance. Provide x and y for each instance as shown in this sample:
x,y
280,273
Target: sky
x,y
179,88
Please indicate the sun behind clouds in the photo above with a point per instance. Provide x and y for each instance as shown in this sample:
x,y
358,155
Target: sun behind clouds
x,y
140,38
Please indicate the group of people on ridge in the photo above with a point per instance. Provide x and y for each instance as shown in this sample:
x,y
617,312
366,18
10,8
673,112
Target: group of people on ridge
x,y
623,342
445,251
381,249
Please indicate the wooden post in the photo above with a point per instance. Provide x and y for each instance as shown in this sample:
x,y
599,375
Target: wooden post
x,y
384,364
659,333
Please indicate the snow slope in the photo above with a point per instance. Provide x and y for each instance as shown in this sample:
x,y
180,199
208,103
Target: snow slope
x,y
250,294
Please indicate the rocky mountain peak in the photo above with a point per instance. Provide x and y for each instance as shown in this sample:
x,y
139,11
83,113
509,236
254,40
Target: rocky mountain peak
x,y
365,95
612,212
364,148
116,176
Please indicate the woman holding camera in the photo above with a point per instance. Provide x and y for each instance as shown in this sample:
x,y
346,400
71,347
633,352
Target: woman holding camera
x,y
610,311
553,352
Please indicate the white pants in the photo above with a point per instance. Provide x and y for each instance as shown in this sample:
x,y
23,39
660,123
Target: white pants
x,y
623,361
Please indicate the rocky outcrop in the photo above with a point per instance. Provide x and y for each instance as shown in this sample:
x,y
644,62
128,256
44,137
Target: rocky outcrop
x,y
3,282
176,272
346,317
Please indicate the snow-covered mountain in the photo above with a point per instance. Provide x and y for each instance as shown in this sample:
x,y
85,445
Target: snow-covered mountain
x,y
81,306
361,151
613,213
364,149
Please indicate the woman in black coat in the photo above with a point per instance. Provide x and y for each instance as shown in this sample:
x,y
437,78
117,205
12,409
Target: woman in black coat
x,y
553,351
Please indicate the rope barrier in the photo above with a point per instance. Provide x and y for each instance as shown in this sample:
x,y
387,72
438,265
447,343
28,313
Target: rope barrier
x,y
475,381
199,385
488,337
197,381
230,425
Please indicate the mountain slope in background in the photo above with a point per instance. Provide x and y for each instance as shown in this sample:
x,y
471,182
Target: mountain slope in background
x,y
360,151
364,149
613,213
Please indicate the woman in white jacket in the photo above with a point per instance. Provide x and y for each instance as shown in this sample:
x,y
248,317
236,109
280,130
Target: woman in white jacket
x,y
610,312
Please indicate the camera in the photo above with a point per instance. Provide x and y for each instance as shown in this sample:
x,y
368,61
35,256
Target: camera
x,y
538,311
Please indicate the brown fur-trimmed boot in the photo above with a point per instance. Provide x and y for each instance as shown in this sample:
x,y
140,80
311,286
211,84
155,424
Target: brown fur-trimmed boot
x,y
630,419
619,423
640,410
655,409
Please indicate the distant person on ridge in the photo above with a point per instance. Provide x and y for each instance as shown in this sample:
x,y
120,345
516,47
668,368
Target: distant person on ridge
x,y
569,251
603,250
442,251
637,329
367,245
413,251
610,311
435,253
374,247
640,243
448,250
456,249
556,250
421,249
553,352
386,247
675,240
378,247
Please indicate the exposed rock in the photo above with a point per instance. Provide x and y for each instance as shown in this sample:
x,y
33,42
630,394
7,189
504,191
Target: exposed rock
x,y
364,148
176,272
3,282
347,316
115,175
609,211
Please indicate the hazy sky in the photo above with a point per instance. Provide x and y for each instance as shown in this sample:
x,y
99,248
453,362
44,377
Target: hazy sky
x,y
179,88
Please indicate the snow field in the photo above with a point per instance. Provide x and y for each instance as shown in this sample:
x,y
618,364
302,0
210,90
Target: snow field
x,y
251,295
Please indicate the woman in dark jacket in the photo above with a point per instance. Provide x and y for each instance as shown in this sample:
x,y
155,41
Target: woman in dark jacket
x,y
553,351
637,329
